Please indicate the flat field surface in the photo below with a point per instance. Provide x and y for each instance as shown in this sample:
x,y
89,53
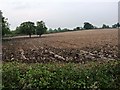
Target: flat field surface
x,y
79,39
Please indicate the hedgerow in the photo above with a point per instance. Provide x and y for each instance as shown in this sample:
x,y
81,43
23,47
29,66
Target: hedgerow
x,y
61,75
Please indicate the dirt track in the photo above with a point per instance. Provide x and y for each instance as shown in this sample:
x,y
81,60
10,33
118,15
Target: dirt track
x,y
74,46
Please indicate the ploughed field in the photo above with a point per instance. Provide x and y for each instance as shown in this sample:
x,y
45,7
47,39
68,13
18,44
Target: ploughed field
x,y
77,46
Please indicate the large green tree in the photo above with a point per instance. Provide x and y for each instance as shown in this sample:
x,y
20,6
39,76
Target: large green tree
x,y
88,26
27,28
40,28
5,26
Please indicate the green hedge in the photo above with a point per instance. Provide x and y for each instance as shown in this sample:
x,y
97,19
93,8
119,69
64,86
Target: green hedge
x,y
61,75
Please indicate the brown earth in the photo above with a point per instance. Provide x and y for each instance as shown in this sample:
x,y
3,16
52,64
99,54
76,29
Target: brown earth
x,y
77,46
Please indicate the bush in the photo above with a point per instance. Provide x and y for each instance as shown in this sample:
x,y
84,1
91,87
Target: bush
x,y
61,75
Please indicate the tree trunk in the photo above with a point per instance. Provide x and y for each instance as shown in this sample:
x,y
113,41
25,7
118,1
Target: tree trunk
x,y
30,35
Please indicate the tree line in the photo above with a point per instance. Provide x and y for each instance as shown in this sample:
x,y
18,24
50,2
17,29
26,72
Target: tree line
x,y
25,28
29,28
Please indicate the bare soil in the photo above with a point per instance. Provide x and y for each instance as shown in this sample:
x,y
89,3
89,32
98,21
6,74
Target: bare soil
x,y
77,46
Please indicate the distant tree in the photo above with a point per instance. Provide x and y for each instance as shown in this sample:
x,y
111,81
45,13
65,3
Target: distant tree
x,y
50,30
27,28
59,29
55,30
65,30
77,28
114,26
41,28
118,25
88,26
18,31
5,27
105,26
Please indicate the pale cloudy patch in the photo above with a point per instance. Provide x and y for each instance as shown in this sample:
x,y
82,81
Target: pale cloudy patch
x,y
60,13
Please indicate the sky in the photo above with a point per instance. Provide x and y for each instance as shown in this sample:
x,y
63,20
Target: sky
x,y
60,13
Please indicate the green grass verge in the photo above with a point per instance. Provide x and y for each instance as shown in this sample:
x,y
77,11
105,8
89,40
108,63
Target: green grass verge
x,y
61,75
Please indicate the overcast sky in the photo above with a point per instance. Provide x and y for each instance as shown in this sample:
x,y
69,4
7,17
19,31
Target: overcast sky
x,y
60,13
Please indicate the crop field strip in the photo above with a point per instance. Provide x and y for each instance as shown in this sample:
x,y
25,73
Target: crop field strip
x,y
75,46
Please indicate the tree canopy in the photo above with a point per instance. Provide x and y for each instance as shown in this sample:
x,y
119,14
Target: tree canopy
x,y
116,25
29,28
5,26
105,26
26,28
88,26
40,28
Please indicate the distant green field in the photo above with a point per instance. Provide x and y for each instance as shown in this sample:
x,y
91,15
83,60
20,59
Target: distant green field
x,y
61,75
